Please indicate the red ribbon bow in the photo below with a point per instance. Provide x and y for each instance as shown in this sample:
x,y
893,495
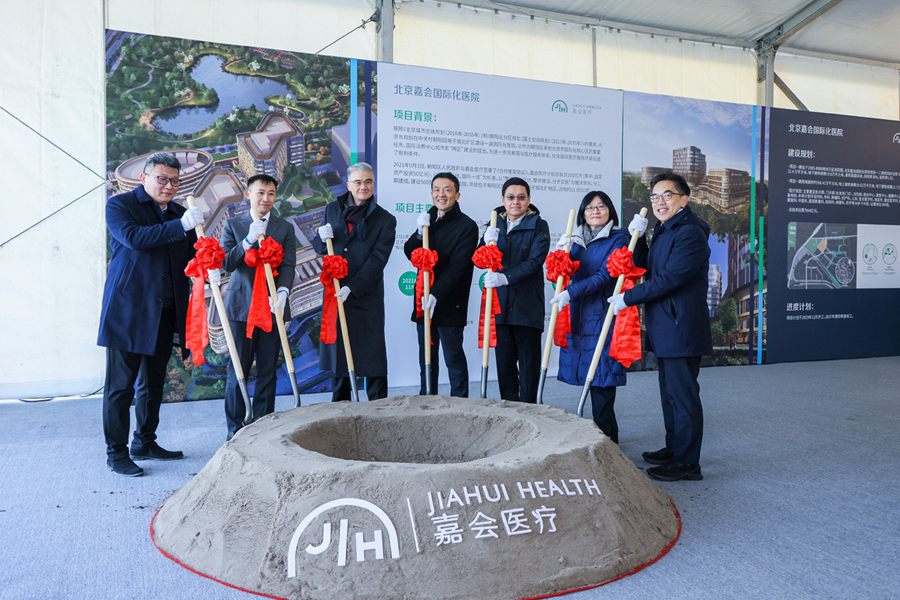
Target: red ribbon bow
x,y
333,267
625,346
560,264
488,257
270,253
209,255
424,260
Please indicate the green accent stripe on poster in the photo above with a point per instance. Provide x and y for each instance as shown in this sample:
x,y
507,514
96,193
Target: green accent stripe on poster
x,y
761,296
354,102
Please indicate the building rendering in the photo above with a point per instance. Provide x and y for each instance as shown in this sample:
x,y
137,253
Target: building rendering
x,y
690,163
274,144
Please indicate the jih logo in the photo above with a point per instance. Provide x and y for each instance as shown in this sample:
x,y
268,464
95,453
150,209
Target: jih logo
x,y
897,138
361,546
559,106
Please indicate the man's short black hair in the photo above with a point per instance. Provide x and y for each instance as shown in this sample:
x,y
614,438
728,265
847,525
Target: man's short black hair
x,y
166,159
446,175
264,178
516,181
678,180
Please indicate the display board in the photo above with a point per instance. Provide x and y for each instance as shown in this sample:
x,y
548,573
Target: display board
x,y
834,233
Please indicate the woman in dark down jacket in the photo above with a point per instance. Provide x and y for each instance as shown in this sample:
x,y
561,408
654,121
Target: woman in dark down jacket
x,y
595,238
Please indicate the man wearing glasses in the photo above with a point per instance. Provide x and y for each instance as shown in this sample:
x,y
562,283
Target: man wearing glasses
x,y
677,318
363,233
524,238
145,303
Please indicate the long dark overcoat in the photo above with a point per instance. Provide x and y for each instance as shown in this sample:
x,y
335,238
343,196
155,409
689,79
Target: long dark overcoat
x,y
366,248
145,249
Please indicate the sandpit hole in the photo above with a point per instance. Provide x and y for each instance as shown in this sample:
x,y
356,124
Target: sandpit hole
x,y
431,439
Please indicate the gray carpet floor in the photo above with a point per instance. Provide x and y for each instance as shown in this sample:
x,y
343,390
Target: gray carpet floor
x,y
801,496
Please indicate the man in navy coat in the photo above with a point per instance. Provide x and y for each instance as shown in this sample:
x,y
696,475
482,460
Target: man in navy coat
x,y
677,320
145,301
239,235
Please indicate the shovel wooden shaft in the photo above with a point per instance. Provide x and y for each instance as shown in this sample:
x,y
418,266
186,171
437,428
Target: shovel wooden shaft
x,y
345,334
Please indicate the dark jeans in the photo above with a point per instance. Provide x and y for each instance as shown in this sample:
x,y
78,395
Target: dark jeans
x,y
603,400
679,393
518,355
122,370
451,340
376,387
264,347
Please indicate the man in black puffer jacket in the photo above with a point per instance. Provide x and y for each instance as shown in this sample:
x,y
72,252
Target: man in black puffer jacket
x,y
524,238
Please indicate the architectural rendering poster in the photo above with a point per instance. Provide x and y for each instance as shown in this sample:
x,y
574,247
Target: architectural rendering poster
x,y
710,145
230,112
834,233
564,140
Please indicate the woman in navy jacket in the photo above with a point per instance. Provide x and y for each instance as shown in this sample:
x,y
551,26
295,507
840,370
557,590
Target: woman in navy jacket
x,y
596,237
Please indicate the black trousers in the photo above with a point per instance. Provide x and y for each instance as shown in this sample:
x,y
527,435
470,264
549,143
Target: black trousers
x,y
264,347
376,387
603,400
518,355
122,370
679,393
451,340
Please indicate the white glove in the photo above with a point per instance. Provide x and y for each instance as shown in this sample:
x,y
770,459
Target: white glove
x,y
617,301
214,276
277,303
562,299
491,234
257,228
345,291
325,232
639,224
563,241
428,304
495,280
423,221
192,217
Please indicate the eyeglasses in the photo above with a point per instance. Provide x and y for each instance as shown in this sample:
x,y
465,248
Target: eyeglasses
x,y
595,208
663,197
164,181
359,182
520,198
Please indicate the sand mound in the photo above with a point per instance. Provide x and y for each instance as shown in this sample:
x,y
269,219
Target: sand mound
x,y
417,497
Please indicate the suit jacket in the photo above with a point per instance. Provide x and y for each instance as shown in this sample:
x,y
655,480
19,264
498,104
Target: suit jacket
x,y
240,286
144,250
674,289
454,238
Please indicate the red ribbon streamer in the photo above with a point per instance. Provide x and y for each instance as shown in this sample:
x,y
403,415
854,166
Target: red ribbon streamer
x,y
333,267
209,255
625,346
560,264
488,257
270,252
424,260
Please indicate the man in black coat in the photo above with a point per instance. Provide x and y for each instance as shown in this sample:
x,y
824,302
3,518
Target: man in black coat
x,y
145,303
363,233
677,319
240,234
454,236
524,238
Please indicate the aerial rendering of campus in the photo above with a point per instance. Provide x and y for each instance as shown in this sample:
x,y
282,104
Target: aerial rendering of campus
x,y
228,113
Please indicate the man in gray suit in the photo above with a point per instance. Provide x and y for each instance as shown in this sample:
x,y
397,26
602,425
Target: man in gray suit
x,y
240,235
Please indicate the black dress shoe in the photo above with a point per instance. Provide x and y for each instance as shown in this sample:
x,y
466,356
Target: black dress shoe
x,y
124,466
154,451
663,456
676,473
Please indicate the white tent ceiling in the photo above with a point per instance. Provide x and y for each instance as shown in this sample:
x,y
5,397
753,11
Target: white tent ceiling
x,y
851,30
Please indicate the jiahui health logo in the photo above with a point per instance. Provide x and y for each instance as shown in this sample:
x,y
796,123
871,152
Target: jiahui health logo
x,y
559,106
897,138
